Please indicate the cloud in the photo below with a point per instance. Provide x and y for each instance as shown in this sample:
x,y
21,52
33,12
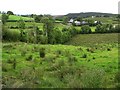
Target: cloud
x,y
56,7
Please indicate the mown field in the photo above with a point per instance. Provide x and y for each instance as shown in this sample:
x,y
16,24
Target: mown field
x,y
93,63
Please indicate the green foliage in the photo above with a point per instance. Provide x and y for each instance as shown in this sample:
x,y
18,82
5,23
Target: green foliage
x,y
4,18
29,58
85,29
42,52
65,20
10,35
21,24
10,13
48,28
60,63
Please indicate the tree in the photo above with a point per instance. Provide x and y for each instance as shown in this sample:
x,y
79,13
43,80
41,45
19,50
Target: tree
x,y
58,36
21,24
65,20
4,18
10,13
38,18
48,27
85,29
23,34
79,18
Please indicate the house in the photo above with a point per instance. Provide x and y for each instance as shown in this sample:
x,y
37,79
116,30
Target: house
x,y
71,21
77,23
84,22
95,22
114,26
93,16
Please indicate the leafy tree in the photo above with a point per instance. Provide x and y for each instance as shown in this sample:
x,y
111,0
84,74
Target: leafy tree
x,y
58,36
4,18
38,18
21,24
23,34
48,27
79,18
65,20
85,29
10,13
91,22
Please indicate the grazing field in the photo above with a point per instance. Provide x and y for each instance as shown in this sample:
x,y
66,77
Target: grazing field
x,y
42,52
13,17
108,20
36,65
93,39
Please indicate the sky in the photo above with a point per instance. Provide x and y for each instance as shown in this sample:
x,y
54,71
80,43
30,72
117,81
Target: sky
x,y
58,7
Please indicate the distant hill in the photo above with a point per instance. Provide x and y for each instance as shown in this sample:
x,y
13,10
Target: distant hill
x,y
87,14
16,18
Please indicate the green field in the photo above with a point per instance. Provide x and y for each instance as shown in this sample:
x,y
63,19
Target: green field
x,y
94,39
13,17
79,61
78,66
108,20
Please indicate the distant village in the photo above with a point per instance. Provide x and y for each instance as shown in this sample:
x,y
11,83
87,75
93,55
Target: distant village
x,y
83,22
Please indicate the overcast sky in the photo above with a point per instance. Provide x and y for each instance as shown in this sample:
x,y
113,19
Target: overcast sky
x,y
59,7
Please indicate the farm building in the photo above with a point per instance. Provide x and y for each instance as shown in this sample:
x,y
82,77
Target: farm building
x,y
77,23
71,21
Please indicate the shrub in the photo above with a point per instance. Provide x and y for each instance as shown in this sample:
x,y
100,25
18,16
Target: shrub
x,y
84,56
85,29
23,53
90,50
71,59
108,49
50,57
11,35
42,52
29,58
5,67
9,61
92,78
14,64
43,39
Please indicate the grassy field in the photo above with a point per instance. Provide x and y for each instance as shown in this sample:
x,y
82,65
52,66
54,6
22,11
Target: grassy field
x,y
107,20
13,17
93,39
84,65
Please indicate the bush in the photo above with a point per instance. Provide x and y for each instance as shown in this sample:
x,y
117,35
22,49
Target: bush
x,y
29,58
92,78
72,60
85,29
84,56
11,35
42,52
42,39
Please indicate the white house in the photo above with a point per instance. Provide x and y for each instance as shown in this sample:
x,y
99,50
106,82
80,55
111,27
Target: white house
x,y
95,22
77,23
71,21
93,16
114,26
83,22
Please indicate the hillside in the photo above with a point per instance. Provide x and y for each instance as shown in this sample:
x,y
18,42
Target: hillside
x,y
63,66
16,18
88,14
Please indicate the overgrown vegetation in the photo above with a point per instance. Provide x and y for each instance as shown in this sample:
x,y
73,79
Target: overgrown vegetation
x,y
41,52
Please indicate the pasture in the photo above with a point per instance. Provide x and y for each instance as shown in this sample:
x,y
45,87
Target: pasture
x,y
82,61
60,66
